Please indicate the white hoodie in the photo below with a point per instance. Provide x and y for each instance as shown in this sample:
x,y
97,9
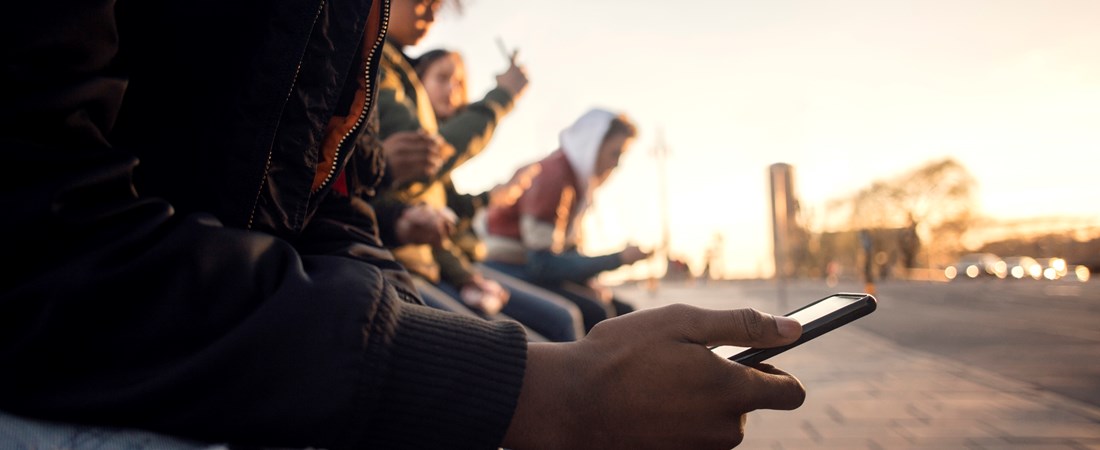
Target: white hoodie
x,y
581,145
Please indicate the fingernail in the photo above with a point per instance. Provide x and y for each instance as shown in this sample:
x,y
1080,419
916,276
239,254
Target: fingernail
x,y
788,327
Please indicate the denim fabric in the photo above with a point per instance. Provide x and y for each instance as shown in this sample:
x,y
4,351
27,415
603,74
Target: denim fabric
x,y
548,313
18,433
446,297
591,309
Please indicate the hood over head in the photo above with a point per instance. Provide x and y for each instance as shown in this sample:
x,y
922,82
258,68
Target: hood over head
x,y
581,144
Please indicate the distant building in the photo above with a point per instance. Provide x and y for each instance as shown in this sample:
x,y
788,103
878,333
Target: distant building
x,y
788,235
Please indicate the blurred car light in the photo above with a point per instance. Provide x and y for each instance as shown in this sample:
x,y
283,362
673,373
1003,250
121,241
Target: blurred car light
x,y
1082,273
972,271
1050,274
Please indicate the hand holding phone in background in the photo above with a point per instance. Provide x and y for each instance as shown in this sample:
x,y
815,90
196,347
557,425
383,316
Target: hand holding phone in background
x,y
514,79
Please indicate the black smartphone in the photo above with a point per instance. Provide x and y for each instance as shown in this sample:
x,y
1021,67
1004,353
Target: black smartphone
x,y
817,318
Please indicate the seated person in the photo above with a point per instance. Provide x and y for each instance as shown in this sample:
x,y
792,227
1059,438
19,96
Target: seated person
x,y
443,74
535,238
417,201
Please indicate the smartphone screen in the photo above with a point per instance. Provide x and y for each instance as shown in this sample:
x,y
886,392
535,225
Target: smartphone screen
x,y
817,318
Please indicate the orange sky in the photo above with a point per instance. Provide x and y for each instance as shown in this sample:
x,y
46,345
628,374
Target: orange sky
x,y
846,91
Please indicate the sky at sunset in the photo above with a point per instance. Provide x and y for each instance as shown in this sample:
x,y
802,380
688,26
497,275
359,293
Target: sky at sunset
x,y
846,91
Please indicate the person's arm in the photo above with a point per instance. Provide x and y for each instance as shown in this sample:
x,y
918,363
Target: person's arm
x,y
453,267
122,313
365,178
547,266
465,206
412,151
396,111
345,226
549,261
470,130
125,315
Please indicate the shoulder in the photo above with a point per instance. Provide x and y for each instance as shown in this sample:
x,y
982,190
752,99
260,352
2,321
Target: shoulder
x,y
551,189
395,71
555,171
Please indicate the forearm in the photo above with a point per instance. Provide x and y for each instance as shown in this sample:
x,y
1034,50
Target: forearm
x,y
453,268
547,266
395,111
348,226
388,208
545,381
120,313
470,130
124,315
464,205
266,352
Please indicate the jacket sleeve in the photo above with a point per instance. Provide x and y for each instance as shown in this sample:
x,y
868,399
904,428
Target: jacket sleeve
x,y
550,261
179,325
470,130
122,313
346,226
454,268
396,111
549,267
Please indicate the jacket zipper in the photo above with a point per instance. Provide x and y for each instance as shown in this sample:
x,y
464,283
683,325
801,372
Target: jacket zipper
x,y
289,92
367,92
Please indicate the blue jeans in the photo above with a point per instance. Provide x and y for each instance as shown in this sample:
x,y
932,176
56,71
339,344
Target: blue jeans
x,y
30,434
547,318
546,312
592,310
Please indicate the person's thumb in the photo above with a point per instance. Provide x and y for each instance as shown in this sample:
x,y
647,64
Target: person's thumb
x,y
742,327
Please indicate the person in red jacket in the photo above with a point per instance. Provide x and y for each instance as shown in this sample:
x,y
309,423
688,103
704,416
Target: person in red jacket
x,y
536,237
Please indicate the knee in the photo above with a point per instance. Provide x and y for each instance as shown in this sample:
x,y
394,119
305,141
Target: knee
x,y
573,314
570,321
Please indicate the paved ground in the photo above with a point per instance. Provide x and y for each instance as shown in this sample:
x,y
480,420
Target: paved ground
x,y
866,392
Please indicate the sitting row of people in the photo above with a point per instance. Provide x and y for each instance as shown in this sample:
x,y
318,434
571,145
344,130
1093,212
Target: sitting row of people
x,y
189,194
512,252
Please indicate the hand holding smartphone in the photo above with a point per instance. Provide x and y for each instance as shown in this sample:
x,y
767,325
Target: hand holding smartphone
x,y
817,318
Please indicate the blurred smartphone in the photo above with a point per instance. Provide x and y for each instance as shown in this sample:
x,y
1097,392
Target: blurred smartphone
x,y
817,318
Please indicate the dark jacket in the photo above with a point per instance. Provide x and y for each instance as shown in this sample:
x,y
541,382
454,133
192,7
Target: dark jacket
x,y
218,291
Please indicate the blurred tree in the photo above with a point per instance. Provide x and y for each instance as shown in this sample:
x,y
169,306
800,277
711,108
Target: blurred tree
x,y
938,197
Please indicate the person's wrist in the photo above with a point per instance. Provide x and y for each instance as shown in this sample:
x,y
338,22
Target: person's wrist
x,y
545,393
509,89
624,258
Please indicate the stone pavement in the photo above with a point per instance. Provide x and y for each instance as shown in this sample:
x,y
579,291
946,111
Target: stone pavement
x,y
866,392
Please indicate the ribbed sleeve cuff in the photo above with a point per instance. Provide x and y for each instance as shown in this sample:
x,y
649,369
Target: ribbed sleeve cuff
x,y
452,381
